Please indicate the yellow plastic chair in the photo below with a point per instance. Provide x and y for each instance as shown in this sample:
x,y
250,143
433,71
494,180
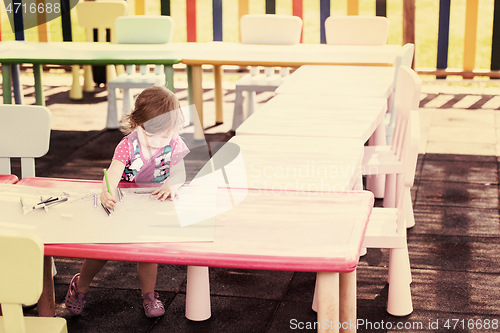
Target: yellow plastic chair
x,y
21,282
100,15
26,129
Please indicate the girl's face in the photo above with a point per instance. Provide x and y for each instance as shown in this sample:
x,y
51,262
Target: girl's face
x,y
157,140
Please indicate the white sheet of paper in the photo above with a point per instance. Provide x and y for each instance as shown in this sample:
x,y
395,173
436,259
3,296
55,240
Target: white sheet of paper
x,y
138,218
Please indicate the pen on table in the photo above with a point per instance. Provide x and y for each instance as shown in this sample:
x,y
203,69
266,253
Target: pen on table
x,y
120,194
106,209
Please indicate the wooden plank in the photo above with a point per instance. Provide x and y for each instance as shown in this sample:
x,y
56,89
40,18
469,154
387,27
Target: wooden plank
x,y
43,27
471,14
443,35
243,9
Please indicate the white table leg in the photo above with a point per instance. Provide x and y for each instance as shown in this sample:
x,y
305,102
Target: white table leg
x,y
347,300
197,294
328,301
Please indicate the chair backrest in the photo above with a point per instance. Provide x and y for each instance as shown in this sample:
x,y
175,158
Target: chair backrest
x,y
356,30
407,97
144,29
21,276
405,58
406,179
26,131
270,29
100,15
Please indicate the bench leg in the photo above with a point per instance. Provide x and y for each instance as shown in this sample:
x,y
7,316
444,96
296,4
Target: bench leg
x,y
197,294
46,303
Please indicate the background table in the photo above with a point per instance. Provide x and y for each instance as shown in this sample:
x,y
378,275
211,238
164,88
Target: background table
x,y
320,116
224,53
75,53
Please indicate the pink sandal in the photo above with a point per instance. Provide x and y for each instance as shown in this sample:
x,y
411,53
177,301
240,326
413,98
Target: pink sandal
x,y
154,308
74,300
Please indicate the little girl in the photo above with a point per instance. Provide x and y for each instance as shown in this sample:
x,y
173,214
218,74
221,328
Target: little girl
x,y
151,153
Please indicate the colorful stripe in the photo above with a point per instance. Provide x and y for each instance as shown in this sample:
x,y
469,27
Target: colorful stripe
x,y
297,10
443,34
66,21
471,13
165,7
217,19
140,7
495,43
324,13
352,7
191,20
18,23
381,8
270,6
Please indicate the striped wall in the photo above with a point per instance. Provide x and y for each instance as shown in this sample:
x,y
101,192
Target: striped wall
x,y
445,45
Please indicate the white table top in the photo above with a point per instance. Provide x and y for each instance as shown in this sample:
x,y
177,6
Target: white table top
x,y
366,81
277,163
226,53
316,116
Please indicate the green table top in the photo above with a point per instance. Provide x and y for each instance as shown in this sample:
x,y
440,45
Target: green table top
x,y
77,53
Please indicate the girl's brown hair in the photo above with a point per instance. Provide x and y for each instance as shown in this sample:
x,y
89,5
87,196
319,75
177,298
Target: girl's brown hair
x,y
156,110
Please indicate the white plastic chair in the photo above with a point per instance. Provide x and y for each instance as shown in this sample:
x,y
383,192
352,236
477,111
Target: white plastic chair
x,y
26,131
388,159
405,58
263,29
100,15
356,30
387,228
21,282
138,30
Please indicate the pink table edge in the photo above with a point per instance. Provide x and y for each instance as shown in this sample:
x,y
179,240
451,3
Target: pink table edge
x,y
196,253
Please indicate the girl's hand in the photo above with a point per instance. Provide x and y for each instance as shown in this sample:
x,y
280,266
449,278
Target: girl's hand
x,y
163,194
107,199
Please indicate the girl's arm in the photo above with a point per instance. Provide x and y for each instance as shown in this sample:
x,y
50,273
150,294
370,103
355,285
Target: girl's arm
x,y
115,172
175,180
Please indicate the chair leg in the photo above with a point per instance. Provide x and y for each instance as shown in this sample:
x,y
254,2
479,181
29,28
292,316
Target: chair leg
x,y
399,301
197,294
76,88
88,79
127,101
112,118
390,191
252,100
238,109
410,218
